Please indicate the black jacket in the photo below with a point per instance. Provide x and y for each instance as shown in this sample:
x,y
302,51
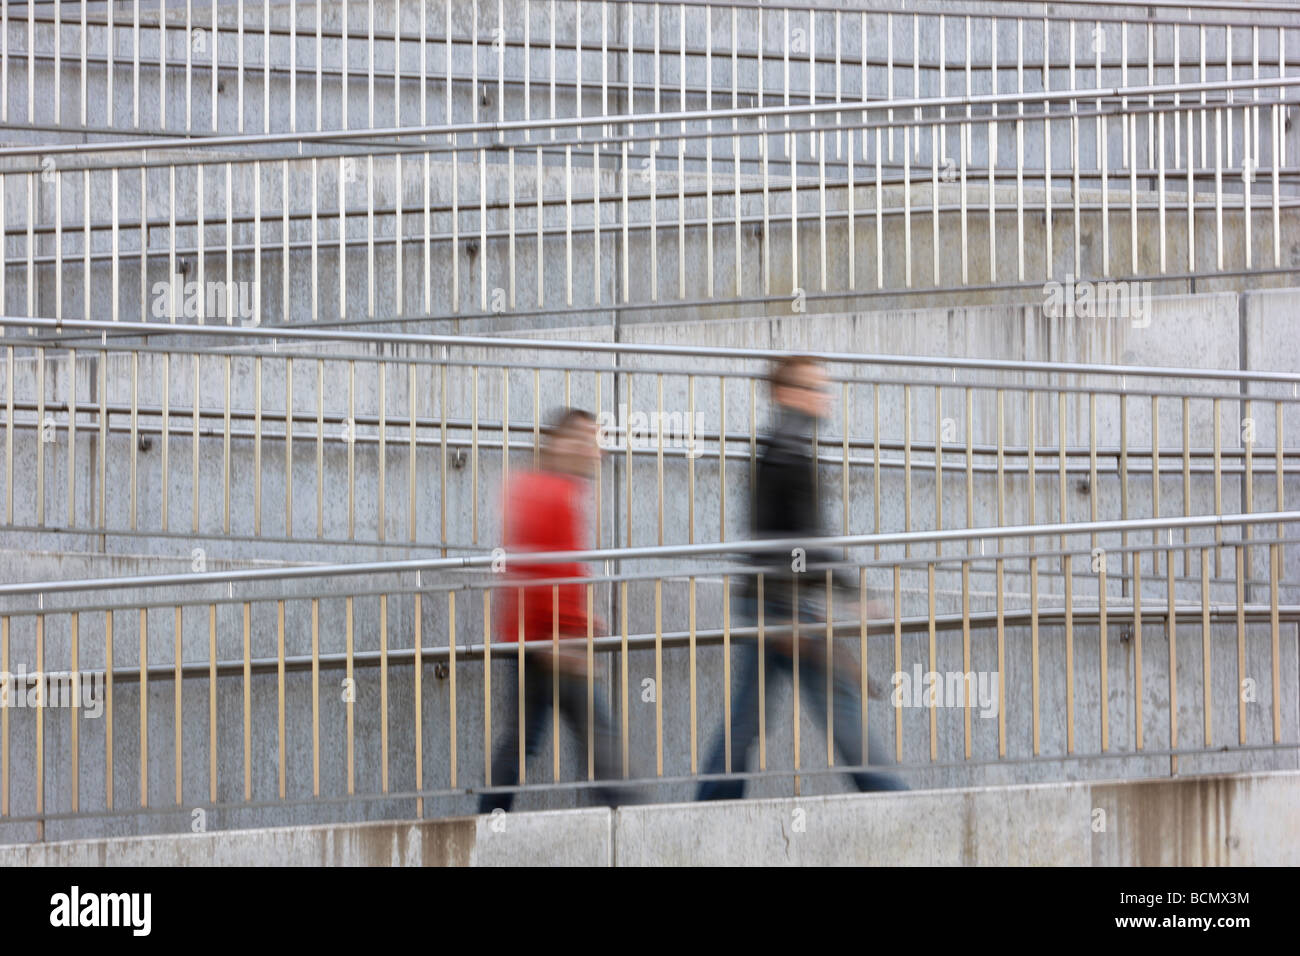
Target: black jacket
x,y
785,506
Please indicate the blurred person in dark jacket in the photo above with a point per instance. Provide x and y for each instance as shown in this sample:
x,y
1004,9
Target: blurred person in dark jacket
x,y
785,506
544,511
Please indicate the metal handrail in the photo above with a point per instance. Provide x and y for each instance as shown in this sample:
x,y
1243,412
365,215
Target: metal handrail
x,y
1244,6
981,563
487,560
494,131
624,348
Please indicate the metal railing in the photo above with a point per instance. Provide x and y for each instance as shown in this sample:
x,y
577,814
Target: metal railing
x,y
169,68
394,734
762,221
346,438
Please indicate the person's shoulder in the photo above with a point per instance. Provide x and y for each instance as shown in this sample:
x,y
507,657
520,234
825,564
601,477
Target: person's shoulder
x,y
529,478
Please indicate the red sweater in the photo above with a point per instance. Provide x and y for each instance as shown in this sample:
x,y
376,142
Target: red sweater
x,y
543,513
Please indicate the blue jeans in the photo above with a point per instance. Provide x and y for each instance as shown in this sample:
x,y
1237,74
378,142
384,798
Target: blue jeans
x,y
812,678
538,687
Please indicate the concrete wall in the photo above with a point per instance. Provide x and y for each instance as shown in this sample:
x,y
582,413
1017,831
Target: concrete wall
x,y
1239,820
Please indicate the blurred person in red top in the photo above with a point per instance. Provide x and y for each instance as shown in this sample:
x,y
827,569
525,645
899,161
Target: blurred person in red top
x,y
544,511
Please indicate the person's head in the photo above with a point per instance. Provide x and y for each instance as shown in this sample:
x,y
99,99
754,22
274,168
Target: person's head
x,y
799,383
569,443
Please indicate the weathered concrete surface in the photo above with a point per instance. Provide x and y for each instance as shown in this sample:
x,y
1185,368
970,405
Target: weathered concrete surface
x,y
1245,819
1249,820
1032,825
548,838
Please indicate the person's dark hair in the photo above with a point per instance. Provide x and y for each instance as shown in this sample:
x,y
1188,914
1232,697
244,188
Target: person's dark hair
x,y
786,369
563,419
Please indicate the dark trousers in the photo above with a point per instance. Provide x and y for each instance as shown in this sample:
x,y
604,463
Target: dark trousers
x,y
539,689
812,681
